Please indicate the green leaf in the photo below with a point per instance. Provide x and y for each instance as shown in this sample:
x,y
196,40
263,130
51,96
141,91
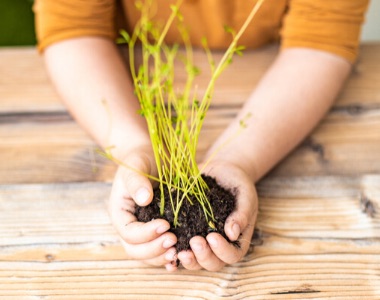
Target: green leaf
x,y
211,224
121,41
193,70
125,36
204,42
229,29
174,120
152,49
174,8
148,26
239,50
243,122
165,69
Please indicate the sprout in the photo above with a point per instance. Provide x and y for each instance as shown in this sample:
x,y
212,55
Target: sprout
x,y
174,119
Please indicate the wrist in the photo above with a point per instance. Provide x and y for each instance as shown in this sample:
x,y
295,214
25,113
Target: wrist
x,y
123,141
240,161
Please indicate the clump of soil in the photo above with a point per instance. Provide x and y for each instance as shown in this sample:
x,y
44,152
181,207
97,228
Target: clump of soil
x,y
191,218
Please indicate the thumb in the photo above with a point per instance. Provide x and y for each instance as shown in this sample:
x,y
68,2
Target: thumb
x,y
242,219
235,224
135,180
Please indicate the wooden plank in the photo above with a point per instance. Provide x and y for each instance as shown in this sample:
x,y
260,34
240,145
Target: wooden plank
x,y
326,276
24,84
25,87
49,148
48,214
345,143
344,207
320,243
318,236
52,148
342,144
362,88
38,217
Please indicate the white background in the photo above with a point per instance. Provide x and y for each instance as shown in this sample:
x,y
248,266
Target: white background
x,y
371,29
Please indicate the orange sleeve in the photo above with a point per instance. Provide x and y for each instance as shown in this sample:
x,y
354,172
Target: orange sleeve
x,y
333,26
57,20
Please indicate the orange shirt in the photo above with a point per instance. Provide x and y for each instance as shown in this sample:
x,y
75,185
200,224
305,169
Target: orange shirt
x,y
333,26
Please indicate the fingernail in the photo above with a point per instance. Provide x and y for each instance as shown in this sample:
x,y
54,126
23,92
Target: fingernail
x,y
168,243
236,231
162,229
142,196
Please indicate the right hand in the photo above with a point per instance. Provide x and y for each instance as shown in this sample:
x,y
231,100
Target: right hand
x,y
150,242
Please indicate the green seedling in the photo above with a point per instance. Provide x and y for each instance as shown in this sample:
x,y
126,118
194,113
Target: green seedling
x,y
174,118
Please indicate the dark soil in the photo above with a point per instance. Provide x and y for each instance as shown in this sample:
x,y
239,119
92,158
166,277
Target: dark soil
x,y
191,218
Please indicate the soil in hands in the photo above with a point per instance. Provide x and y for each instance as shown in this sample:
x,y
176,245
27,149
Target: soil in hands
x,y
192,221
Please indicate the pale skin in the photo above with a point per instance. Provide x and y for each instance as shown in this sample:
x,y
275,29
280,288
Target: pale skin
x,y
290,100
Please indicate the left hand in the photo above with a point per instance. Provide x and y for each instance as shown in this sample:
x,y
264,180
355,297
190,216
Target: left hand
x,y
214,252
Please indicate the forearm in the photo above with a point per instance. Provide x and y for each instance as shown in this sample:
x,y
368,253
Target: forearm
x,y
94,85
290,100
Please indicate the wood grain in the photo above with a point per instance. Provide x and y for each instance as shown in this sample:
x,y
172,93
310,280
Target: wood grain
x,y
25,86
347,142
52,148
57,243
318,231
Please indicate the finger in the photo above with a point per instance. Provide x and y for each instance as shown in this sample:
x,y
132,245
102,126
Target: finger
x,y
135,181
188,260
244,214
228,252
204,255
168,257
151,249
121,209
121,213
139,232
246,208
240,222
171,267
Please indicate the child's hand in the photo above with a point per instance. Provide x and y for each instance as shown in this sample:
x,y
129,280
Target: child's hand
x,y
150,241
214,252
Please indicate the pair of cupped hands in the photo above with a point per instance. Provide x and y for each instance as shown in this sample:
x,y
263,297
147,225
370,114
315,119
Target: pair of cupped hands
x,y
152,242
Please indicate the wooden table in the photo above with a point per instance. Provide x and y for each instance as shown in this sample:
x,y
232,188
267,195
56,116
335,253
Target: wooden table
x,y
318,231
